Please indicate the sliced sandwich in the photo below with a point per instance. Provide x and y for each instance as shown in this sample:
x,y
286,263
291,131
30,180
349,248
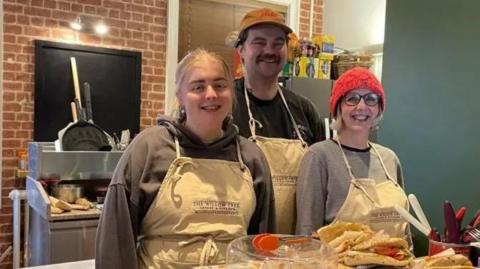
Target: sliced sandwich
x,y
330,232
456,261
381,251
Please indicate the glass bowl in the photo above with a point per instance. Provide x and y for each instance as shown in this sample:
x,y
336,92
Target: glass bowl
x,y
309,254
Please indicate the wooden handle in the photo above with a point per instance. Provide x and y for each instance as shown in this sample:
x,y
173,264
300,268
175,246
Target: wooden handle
x,y
76,86
74,112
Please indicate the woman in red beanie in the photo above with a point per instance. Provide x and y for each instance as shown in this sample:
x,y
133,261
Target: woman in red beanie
x,y
349,178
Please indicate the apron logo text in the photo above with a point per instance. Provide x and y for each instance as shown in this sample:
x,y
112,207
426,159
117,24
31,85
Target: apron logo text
x,y
284,180
216,207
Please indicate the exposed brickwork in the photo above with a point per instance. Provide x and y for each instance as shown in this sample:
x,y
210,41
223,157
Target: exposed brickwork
x,y
304,18
138,25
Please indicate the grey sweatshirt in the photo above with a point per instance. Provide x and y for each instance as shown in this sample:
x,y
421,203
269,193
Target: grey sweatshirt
x,y
324,180
140,173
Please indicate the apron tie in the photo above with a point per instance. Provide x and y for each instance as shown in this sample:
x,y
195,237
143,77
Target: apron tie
x,y
209,251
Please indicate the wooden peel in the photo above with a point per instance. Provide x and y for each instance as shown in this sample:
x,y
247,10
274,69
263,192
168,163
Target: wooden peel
x,y
76,86
74,111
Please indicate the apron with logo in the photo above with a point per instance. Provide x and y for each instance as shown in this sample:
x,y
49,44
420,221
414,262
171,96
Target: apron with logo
x,y
283,157
372,204
201,206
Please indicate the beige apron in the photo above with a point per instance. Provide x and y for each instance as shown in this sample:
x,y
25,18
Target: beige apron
x,y
200,207
370,203
283,157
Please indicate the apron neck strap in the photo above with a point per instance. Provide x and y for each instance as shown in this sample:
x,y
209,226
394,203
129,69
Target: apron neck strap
x,y
353,180
295,126
252,122
345,160
237,145
239,154
349,168
177,147
381,162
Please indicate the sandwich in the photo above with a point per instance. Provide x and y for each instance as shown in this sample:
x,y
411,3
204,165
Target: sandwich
x,y
455,261
333,231
349,239
382,250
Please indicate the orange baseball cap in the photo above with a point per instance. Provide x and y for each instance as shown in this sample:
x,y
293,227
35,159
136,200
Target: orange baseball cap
x,y
263,16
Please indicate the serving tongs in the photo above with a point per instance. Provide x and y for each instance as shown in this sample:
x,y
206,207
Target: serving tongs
x,y
271,242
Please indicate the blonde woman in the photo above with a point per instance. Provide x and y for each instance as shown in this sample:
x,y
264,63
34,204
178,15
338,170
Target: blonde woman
x,y
349,178
187,187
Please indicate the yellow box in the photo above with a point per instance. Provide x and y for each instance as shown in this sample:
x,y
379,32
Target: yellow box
x,y
325,66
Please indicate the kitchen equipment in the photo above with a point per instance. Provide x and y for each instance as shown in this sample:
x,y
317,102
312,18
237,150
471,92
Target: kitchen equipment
x,y
475,253
70,236
475,233
271,242
68,192
304,254
435,247
76,87
452,229
434,235
88,102
84,136
74,111
475,217
460,214
101,192
412,220
418,210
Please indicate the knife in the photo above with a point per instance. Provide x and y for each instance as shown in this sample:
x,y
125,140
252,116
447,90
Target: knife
x,y
88,101
452,230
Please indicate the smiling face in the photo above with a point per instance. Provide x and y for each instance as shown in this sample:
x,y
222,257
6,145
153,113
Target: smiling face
x,y
205,93
264,51
359,118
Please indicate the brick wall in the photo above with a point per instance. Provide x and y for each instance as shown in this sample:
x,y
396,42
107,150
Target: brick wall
x,y
304,24
138,25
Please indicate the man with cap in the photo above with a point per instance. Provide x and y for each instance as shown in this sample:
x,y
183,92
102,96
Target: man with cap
x,y
280,121
348,178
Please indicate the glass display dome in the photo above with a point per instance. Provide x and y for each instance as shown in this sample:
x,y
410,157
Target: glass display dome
x,y
284,252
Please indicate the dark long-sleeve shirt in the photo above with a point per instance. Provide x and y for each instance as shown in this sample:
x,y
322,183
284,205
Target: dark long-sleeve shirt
x,y
139,175
274,117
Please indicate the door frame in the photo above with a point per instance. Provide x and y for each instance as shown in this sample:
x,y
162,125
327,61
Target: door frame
x,y
173,15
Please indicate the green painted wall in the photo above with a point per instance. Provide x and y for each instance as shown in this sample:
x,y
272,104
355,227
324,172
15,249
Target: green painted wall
x,y
431,73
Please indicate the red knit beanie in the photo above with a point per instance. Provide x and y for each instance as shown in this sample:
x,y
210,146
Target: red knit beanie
x,y
356,78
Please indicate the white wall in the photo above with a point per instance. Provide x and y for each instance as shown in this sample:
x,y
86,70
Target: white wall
x,y
355,23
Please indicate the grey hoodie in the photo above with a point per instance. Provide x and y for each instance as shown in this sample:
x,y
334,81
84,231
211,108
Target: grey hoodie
x,y
140,172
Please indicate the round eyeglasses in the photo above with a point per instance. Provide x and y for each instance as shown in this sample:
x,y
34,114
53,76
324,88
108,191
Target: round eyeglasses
x,y
370,99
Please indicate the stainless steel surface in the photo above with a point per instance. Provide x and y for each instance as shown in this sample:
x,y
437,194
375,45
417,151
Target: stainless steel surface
x,y
316,90
68,192
70,236
61,241
45,162
37,198
55,238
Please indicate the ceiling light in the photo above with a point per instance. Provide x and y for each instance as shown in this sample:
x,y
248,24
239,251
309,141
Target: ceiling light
x,y
101,28
76,24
